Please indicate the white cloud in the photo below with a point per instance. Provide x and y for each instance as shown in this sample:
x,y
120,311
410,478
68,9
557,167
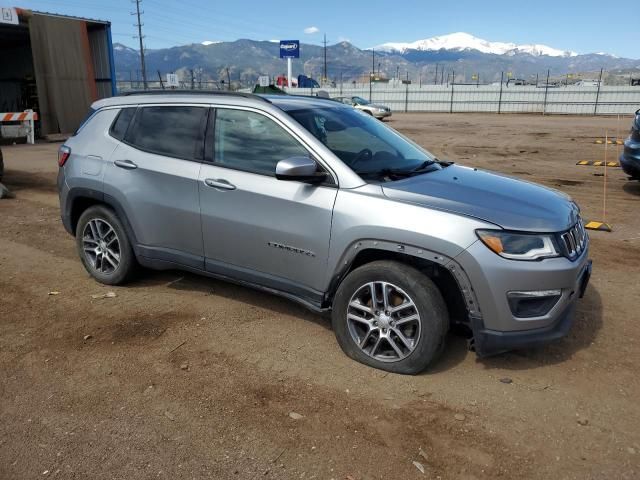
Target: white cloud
x,y
311,30
211,42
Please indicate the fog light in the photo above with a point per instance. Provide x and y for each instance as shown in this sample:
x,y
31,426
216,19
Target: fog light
x,y
532,303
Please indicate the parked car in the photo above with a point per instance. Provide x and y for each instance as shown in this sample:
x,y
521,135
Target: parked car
x,y
307,82
375,110
306,198
630,157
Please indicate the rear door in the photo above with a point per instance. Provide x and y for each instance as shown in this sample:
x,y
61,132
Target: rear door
x,y
256,227
153,176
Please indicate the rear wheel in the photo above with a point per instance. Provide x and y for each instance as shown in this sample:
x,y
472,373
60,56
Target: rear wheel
x,y
390,316
103,246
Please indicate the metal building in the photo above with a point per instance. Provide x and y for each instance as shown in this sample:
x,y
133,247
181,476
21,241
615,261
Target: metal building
x,y
55,65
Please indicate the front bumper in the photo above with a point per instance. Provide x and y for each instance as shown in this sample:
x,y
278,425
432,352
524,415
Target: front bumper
x,y
381,115
490,342
495,327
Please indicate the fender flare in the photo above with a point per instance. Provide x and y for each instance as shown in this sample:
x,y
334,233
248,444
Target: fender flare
x,y
448,263
98,198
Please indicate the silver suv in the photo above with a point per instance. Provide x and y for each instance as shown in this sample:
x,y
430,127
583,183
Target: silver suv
x,y
322,204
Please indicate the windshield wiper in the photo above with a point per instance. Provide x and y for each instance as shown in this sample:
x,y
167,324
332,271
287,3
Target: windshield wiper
x,y
423,166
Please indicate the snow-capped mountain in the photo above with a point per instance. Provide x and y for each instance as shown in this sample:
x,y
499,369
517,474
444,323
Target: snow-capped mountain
x,y
464,41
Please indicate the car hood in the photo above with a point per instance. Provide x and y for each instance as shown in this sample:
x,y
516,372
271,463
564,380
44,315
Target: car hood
x,y
512,204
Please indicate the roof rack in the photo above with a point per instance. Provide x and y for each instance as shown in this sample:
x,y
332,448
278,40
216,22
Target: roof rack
x,y
193,92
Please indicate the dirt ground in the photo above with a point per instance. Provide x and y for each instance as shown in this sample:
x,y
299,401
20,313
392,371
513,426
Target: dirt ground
x,y
185,377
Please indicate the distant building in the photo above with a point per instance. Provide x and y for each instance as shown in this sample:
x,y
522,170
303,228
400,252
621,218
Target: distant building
x,y
55,65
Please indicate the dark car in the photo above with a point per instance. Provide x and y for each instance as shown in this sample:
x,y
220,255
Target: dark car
x,y
1,165
630,158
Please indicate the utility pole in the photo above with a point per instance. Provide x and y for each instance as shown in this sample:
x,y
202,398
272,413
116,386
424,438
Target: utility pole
x,y
140,38
373,61
228,80
435,78
324,74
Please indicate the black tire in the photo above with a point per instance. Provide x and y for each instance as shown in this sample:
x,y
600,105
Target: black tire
x,y
127,261
434,318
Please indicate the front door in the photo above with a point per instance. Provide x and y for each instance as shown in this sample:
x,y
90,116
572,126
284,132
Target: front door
x,y
255,227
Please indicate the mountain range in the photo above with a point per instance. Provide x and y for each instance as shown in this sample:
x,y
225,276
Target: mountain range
x,y
468,56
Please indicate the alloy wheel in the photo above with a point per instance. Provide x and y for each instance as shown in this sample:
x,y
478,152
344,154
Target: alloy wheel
x,y
101,246
383,321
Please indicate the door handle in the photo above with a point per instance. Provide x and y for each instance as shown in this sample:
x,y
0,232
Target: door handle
x,y
219,183
126,164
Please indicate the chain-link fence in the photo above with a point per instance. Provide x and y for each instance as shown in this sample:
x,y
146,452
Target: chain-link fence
x,y
451,98
573,100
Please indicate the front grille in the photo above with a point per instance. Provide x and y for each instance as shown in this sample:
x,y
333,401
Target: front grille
x,y
575,240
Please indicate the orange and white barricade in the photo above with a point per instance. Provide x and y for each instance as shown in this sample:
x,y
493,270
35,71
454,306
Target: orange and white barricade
x,y
27,118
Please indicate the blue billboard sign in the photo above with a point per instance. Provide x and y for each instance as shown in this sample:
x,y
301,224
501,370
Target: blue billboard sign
x,y
289,48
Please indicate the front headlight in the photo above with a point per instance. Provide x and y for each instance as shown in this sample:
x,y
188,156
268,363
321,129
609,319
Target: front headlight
x,y
519,246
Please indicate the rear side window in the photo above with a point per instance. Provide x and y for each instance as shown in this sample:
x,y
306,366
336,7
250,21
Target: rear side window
x,y
172,131
120,126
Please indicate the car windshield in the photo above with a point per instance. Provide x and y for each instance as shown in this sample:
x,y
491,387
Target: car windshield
x,y
365,144
360,101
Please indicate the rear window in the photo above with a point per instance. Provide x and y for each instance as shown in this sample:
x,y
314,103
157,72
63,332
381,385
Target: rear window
x,y
121,124
172,131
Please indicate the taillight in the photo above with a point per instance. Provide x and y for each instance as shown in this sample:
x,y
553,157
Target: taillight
x,y
64,153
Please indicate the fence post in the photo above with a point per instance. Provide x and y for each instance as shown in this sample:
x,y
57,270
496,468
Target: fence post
x,y
595,108
406,98
453,82
546,91
370,80
500,97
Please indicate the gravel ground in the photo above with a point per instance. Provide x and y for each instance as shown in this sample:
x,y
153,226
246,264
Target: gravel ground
x,y
184,377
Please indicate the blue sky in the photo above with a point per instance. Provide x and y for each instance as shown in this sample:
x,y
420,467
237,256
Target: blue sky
x,y
582,26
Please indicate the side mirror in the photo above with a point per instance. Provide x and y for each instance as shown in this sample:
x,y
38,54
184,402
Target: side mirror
x,y
303,169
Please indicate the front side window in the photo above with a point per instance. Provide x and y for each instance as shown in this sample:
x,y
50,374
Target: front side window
x,y
172,131
252,142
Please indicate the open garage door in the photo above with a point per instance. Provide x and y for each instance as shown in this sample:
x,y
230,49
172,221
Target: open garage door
x,y
64,72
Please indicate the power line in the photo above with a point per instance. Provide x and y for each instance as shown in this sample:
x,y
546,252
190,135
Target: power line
x,y
140,37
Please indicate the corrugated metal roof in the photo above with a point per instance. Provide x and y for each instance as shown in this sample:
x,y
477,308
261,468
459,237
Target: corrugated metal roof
x,y
60,15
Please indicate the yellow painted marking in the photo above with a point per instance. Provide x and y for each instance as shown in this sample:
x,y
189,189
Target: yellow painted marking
x,y
619,142
612,164
598,164
599,142
605,227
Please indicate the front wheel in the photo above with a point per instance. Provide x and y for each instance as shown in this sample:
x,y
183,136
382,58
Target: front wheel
x,y
390,316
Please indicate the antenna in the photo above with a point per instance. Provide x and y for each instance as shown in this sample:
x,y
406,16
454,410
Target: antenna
x,y
140,37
